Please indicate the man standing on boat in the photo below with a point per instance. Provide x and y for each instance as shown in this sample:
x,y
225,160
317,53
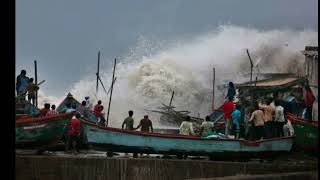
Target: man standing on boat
x,y
32,89
308,102
227,110
268,118
186,127
236,116
279,118
128,121
258,119
22,85
145,124
231,91
88,102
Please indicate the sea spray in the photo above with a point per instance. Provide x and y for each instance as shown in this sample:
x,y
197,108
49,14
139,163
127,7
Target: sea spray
x,y
148,74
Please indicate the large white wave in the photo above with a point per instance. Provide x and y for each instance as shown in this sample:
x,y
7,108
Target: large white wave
x,y
153,69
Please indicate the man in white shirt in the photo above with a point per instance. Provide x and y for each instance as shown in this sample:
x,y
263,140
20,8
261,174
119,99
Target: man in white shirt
x,y
288,129
186,127
88,103
279,119
206,127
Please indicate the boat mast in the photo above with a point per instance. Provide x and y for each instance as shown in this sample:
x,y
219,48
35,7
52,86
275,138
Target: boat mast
x,y
97,84
112,82
171,99
251,65
36,80
213,84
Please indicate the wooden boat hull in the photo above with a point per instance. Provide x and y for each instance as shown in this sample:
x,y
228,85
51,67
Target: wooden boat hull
x,y
112,139
306,133
40,132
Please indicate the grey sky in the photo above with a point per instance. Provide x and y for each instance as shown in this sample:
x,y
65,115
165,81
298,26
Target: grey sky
x,y
65,35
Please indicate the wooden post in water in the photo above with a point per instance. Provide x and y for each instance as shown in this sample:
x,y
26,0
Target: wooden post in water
x,y
251,66
36,80
98,74
114,69
213,84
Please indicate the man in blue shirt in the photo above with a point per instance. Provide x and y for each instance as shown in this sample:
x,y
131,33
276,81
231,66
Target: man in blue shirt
x,y
22,85
236,117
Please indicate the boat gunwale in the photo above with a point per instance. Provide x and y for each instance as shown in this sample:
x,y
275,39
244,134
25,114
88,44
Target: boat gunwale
x,y
178,136
296,120
43,119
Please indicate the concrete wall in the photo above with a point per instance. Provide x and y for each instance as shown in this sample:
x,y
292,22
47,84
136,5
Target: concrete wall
x,y
94,168
309,175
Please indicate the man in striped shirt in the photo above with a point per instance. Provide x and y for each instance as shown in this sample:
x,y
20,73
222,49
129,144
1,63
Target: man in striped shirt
x,y
53,111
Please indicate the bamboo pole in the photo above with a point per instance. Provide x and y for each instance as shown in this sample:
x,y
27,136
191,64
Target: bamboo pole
x,y
213,84
251,65
171,99
36,80
97,84
114,69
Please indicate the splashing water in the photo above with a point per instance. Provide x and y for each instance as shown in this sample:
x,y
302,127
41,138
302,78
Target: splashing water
x,y
147,76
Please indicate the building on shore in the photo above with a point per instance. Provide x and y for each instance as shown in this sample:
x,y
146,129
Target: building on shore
x,y
311,73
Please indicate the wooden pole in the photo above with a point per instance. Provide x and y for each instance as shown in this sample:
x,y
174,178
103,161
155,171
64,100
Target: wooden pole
x,y
36,80
171,99
98,74
213,84
114,69
251,66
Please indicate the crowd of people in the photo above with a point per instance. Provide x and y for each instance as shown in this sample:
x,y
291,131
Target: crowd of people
x,y
266,120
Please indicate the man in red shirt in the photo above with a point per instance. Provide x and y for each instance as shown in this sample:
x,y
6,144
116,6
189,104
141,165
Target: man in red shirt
x,y
308,102
97,111
228,108
74,132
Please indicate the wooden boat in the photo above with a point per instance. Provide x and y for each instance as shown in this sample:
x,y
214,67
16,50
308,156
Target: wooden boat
x,y
26,109
38,132
306,133
118,140
71,100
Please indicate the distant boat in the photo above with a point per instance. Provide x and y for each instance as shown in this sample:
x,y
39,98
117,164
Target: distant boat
x,y
40,132
118,140
306,133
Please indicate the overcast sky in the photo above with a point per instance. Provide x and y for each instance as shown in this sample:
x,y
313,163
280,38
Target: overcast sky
x,y
65,35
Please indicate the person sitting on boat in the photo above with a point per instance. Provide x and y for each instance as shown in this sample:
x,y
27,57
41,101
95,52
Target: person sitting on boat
x,y
258,119
186,127
145,124
32,89
22,85
207,127
83,110
45,110
268,118
53,111
101,117
128,121
279,119
231,91
88,102
288,129
74,132
227,110
236,117
308,102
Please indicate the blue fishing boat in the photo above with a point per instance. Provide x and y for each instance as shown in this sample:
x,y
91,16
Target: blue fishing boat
x,y
72,101
118,140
